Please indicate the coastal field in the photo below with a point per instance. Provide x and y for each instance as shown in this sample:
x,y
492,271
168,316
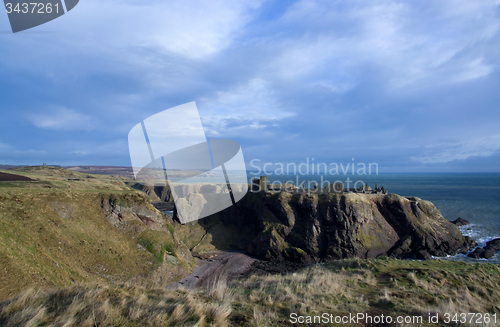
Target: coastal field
x,y
79,249
415,293
54,231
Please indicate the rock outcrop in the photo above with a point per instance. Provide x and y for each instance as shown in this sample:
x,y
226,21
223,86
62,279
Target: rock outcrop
x,y
157,193
121,210
460,222
310,228
488,251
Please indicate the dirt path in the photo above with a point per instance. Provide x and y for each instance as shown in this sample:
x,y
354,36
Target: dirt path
x,y
230,266
227,266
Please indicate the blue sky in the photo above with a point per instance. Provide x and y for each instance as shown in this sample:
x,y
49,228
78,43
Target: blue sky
x,y
411,85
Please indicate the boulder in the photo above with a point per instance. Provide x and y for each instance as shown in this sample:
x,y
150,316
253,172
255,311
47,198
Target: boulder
x,y
488,251
460,222
119,211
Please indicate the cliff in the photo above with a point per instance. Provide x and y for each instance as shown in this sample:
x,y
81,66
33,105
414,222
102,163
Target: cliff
x,y
310,228
54,238
66,226
70,232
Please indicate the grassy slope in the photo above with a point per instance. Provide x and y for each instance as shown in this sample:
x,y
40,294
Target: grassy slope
x,y
375,287
58,178
54,232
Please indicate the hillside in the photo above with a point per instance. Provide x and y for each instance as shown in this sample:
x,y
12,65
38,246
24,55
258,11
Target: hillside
x,y
67,227
411,291
6,177
84,250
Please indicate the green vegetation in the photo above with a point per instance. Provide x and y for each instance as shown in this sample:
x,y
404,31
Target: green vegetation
x,y
158,249
54,178
374,287
86,230
90,250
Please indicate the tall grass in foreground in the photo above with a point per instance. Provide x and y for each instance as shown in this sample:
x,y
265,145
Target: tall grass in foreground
x,y
389,287
113,306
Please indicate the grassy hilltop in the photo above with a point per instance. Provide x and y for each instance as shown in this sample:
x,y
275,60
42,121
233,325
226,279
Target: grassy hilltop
x,y
63,228
83,250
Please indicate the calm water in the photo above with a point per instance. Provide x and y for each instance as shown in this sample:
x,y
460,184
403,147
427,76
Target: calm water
x,y
475,197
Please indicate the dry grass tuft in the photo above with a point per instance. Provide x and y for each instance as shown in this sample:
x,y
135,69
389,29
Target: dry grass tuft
x,y
113,306
388,287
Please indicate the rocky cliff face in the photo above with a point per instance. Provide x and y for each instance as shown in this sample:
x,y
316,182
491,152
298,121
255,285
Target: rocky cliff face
x,y
308,228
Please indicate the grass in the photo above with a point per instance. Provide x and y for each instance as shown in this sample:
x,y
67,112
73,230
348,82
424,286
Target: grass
x,y
113,306
54,178
375,287
158,249
54,237
57,243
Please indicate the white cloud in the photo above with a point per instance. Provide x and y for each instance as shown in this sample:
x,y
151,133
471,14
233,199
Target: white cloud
x,y
446,152
473,69
200,28
332,87
251,106
152,42
193,29
416,45
132,59
61,118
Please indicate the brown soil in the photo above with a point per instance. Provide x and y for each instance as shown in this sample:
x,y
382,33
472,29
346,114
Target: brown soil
x,y
260,267
230,266
226,266
5,177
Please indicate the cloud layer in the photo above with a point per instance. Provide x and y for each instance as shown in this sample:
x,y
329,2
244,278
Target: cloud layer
x,y
409,85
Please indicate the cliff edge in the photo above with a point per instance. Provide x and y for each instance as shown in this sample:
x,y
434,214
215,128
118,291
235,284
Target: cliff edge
x,y
311,228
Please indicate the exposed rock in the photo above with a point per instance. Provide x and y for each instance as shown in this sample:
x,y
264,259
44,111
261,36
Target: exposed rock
x,y
158,193
488,251
123,210
183,252
163,206
150,191
225,266
309,228
64,209
170,259
460,222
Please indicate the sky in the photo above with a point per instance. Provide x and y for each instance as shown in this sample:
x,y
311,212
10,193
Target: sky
x,y
413,86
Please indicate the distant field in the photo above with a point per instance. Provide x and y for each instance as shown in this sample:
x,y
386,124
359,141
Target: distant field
x,y
129,172
11,177
105,170
53,178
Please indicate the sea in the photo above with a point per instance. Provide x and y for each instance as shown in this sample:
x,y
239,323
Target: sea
x,y
472,196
